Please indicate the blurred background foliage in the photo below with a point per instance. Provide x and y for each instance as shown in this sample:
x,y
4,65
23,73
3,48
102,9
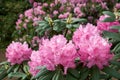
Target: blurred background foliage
x,y
9,13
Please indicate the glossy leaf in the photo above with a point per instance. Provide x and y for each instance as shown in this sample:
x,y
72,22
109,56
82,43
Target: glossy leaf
x,y
112,35
112,72
3,75
11,68
41,73
76,20
115,63
58,75
109,14
69,26
74,72
70,77
47,76
4,62
116,27
116,48
95,73
84,73
17,74
108,19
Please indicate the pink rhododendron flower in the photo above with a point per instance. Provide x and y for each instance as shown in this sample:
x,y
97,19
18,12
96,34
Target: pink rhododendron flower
x,y
17,52
106,25
78,12
89,30
92,48
31,1
55,12
35,4
54,52
117,5
36,62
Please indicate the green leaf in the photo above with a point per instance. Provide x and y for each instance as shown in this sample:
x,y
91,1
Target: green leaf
x,y
11,68
108,19
46,19
115,36
74,72
116,27
86,73
2,69
109,14
3,63
76,20
95,73
56,27
58,75
117,56
76,25
3,75
116,48
26,68
16,68
103,76
17,74
59,25
69,26
42,72
70,77
115,63
112,72
47,76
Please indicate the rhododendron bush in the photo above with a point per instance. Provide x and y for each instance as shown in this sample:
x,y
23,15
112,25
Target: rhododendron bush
x,y
65,40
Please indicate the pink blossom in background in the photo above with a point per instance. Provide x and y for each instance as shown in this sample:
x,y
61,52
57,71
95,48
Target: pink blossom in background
x,y
21,16
35,4
38,12
18,22
52,5
78,12
54,52
45,4
27,20
63,1
63,16
17,52
29,13
117,5
104,5
106,25
36,40
25,25
55,12
92,48
98,1
31,1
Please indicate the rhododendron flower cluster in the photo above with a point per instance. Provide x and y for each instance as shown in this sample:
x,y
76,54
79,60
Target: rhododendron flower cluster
x,y
35,62
92,48
60,48
31,16
40,10
53,53
17,52
106,25
80,1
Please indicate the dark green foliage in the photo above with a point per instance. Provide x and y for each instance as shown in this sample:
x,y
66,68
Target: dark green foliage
x,y
9,12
